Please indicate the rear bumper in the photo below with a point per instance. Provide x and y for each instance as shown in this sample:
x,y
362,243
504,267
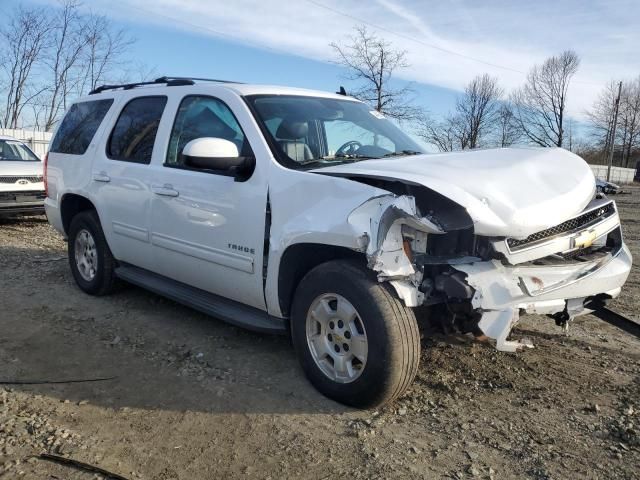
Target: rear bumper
x,y
53,215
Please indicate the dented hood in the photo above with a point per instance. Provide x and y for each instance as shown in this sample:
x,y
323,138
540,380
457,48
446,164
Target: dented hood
x,y
507,192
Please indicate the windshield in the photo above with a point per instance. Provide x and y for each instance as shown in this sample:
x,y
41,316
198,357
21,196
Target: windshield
x,y
14,151
312,132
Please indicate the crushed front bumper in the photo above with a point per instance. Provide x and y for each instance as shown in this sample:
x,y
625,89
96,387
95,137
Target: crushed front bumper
x,y
550,275
501,292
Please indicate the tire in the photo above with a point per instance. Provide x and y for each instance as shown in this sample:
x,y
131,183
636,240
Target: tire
x,y
390,330
85,227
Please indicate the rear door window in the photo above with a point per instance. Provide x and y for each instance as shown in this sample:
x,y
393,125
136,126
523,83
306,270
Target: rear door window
x,y
79,126
134,133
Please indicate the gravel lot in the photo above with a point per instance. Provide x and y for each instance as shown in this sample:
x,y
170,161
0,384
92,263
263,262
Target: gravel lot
x,y
194,398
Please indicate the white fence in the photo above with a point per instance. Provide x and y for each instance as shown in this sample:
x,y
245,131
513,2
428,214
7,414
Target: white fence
x,y
618,174
37,141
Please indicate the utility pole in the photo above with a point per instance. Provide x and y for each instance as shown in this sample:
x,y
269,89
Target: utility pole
x,y
613,132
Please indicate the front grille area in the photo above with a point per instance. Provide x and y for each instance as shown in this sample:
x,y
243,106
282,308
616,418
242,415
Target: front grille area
x,y
11,179
611,245
564,227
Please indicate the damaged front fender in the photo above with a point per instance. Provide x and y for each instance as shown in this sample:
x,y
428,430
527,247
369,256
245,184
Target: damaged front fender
x,y
386,222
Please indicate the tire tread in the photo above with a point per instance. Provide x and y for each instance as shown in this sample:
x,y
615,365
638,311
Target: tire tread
x,y
402,329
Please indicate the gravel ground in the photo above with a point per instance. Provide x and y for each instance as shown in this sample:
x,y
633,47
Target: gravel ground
x,y
194,398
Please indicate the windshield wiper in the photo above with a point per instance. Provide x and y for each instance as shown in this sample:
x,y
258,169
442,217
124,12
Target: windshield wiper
x,y
350,156
338,158
402,153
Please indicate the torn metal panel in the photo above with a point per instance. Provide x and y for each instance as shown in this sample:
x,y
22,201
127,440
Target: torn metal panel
x,y
384,221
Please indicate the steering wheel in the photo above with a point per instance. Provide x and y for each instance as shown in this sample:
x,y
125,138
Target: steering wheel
x,y
349,148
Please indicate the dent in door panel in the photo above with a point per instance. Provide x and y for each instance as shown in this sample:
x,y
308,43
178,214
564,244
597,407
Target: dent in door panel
x,y
130,231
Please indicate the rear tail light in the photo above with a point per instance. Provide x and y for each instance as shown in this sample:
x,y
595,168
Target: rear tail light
x,y
46,184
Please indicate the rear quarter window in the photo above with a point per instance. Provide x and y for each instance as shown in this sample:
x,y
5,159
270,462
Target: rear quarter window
x,y
79,126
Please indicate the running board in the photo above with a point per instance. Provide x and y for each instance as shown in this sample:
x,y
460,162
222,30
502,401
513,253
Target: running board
x,y
230,311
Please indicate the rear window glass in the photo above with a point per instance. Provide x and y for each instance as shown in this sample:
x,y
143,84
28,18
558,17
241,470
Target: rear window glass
x,y
79,126
135,131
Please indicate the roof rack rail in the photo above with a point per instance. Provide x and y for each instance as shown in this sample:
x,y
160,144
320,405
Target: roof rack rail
x,y
129,86
197,79
169,81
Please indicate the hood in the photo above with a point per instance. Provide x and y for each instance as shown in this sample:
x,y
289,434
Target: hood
x,y
26,168
510,192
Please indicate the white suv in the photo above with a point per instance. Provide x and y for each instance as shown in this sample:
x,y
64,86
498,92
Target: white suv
x,y
302,212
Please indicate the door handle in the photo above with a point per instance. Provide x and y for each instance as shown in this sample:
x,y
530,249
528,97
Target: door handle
x,y
101,177
165,190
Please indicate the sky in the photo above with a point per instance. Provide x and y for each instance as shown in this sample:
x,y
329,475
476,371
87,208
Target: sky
x,y
448,42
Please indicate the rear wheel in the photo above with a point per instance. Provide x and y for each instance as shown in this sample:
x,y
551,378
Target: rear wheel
x,y
90,259
356,341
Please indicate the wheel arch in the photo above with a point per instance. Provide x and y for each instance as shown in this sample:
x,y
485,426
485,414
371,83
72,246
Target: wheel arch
x,y
299,259
72,204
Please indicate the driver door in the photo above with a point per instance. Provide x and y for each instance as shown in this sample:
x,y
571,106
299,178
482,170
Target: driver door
x,y
207,228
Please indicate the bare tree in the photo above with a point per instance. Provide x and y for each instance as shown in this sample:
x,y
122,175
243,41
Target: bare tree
x,y
50,55
24,37
140,72
540,105
629,119
508,132
446,135
601,118
104,50
475,117
62,60
477,109
372,61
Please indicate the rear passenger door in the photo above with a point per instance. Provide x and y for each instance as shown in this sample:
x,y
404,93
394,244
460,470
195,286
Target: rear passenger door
x,y
122,181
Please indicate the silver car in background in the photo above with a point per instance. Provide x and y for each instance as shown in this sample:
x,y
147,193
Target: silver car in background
x,y
21,179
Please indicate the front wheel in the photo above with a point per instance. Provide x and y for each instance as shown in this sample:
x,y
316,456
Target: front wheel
x,y
356,341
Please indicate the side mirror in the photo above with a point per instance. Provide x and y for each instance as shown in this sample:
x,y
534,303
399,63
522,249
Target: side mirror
x,y
218,154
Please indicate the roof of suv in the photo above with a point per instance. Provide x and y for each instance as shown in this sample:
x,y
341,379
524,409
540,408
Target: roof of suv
x,y
243,89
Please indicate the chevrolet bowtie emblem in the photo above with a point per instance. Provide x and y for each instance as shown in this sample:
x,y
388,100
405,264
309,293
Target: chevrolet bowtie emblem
x,y
584,239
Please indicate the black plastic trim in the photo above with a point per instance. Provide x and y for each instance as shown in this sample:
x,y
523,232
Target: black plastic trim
x,y
168,81
225,309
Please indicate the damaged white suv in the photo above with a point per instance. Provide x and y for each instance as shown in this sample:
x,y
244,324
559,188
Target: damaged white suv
x,y
287,210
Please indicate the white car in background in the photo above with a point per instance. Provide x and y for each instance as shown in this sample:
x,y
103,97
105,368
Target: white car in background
x,y
21,179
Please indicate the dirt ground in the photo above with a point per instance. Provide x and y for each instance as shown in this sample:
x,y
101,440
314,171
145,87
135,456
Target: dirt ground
x,y
194,398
